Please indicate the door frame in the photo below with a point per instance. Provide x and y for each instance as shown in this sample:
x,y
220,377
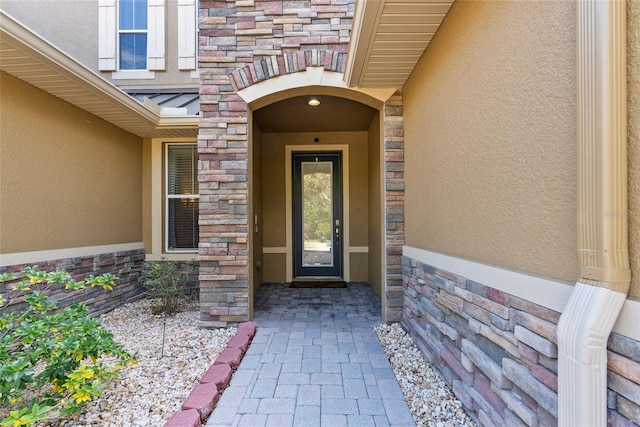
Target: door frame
x,y
344,150
335,269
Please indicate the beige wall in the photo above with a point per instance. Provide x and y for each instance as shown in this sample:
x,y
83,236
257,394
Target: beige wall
x,y
147,196
633,82
256,230
273,186
67,178
490,138
71,26
376,251
359,267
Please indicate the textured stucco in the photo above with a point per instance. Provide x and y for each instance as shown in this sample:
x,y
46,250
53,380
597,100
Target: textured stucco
x,y
633,90
375,273
490,148
67,178
256,229
71,26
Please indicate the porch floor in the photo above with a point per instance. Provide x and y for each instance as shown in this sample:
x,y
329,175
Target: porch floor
x,y
315,361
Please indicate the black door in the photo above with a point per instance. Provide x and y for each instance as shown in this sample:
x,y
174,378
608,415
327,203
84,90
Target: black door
x,y
317,214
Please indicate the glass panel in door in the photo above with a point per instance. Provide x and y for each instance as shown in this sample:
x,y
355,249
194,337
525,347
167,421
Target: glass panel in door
x,y
317,214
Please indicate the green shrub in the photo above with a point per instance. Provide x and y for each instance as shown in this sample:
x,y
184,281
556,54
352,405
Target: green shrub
x,y
51,359
166,283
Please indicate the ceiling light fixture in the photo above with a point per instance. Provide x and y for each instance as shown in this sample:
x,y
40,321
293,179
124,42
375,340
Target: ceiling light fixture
x,y
314,102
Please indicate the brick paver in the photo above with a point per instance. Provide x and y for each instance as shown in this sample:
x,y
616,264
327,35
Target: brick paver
x,y
314,361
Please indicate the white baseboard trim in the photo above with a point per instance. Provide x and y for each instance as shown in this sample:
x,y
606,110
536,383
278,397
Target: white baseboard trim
x,y
627,323
41,256
548,293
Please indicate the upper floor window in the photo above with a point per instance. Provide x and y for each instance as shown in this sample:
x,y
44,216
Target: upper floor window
x,y
132,34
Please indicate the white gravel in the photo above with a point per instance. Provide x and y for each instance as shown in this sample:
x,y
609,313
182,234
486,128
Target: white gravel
x,y
149,392
430,400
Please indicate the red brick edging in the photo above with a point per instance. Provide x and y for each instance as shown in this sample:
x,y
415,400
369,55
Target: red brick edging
x,y
203,398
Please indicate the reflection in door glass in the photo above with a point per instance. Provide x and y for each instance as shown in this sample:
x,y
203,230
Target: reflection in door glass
x,y
317,208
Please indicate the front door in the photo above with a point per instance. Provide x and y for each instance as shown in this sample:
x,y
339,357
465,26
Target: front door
x,y
317,214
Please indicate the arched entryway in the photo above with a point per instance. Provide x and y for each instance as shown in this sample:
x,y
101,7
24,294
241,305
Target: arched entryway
x,y
289,128
247,237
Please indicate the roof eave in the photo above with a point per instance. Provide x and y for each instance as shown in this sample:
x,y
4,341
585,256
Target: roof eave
x,y
27,56
388,38
365,21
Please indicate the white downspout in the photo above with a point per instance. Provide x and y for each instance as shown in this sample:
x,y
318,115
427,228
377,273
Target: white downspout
x,y
598,296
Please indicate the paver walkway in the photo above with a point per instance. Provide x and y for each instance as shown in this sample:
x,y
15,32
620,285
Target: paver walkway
x,y
315,361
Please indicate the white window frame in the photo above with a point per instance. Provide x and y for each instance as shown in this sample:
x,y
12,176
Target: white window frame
x,y
108,48
167,197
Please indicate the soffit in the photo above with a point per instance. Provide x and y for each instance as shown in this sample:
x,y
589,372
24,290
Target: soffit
x,y
30,58
388,39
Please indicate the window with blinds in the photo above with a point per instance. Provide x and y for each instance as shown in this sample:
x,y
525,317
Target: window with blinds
x,y
132,27
182,197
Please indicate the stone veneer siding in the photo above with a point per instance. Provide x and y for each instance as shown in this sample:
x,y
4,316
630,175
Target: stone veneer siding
x,y
394,205
127,265
498,352
245,42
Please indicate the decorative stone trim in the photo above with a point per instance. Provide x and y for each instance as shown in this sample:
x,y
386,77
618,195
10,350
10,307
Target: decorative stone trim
x,y
499,353
204,397
127,265
243,43
288,63
393,181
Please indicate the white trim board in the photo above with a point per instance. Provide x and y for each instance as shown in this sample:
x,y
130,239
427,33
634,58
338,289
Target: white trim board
x,y
41,256
344,149
545,292
627,323
311,76
274,250
358,249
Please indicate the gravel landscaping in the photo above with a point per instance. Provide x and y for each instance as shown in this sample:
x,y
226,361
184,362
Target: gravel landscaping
x,y
149,392
430,400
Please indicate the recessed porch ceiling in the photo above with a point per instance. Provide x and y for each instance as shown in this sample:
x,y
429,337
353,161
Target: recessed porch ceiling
x,y
334,114
388,39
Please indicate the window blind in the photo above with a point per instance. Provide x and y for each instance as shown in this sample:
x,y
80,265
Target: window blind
x,y
182,197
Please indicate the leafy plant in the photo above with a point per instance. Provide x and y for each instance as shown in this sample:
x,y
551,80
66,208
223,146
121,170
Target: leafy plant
x,y
166,283
51,358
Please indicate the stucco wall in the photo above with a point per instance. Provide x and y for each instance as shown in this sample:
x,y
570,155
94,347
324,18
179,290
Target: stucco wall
x,y
633,87
490,138
147,195
375,207
72,26
67,178
256,229
69,25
